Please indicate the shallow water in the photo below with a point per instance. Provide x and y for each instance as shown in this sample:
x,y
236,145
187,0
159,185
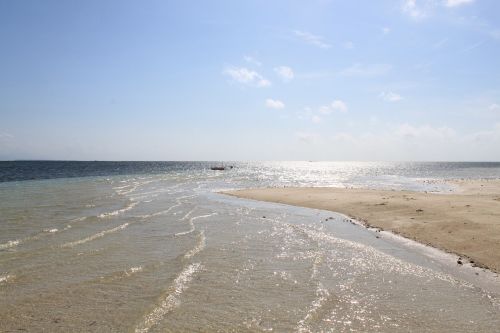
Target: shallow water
x,y
162,252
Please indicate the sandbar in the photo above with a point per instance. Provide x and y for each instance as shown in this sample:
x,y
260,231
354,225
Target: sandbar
x,y
465,221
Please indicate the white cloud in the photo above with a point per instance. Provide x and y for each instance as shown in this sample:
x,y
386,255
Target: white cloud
x,y
495,33
339,105
456,3
252,60
366,70
274,104
336,105
312,39
407,131
410,7
316,119
285,72
348,45
386,30
494,107
419,9
390,96
5,136
246,76
307,137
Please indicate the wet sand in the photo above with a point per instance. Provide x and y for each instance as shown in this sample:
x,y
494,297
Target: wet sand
x,y
465,221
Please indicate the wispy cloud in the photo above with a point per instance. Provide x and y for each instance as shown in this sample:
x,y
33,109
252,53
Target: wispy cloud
x,y
348,45
473,46
312,39
494,107
495,33
285,72
366,70
456,3
246,76
336,105
252,60
414,9
5,136
386,30
439,44
390,96
420,9
316,119
274,104
410,132
307,137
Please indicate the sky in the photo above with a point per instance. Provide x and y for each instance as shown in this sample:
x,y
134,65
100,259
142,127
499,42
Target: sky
x,y
250,80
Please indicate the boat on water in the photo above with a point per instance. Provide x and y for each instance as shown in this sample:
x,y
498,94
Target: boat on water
x,y
221,168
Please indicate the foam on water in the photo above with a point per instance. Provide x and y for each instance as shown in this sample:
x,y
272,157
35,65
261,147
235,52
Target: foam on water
x,y
198,248
5,278
322,295
171,301
96,236
128,207
9,244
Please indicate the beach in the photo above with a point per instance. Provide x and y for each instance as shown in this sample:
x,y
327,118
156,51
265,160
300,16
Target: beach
x,y
155,247
465,220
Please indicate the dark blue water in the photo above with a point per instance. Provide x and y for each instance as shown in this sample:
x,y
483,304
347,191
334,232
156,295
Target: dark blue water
x,y
285,171
31,170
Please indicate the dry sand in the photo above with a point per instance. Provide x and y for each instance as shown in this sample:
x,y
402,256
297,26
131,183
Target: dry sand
x,y
465,221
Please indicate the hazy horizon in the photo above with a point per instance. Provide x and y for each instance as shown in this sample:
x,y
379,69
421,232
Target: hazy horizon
x,y
323,80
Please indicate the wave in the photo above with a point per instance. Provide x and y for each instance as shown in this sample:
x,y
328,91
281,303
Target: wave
x,y
191,220
44,232
322,295
198,248
133,270
119,211
6,278
95,236
203,216
160,212
10,244
171,301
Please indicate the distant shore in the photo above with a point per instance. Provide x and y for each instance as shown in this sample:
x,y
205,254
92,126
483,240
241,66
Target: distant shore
x,y
465,221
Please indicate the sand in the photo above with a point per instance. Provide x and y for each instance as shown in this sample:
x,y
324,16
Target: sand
x,y
465,221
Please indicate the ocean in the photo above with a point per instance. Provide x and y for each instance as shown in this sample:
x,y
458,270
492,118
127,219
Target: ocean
x,y
153,247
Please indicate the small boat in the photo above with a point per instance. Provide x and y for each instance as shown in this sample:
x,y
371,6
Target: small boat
x,y
221,168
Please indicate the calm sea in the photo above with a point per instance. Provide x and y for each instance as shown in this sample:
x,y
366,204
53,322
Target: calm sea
x,y
152,247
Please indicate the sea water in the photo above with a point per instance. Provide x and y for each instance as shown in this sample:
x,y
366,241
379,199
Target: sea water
x,y
153,247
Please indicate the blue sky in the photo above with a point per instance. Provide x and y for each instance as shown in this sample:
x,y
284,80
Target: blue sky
x,y
250,80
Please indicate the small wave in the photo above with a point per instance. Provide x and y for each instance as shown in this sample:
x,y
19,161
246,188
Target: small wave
x,y
133,270
186,197
119,211
191,220
95,236
203,216
6,278
198,248
322,295
9,244
183,233
160,212
171,301
189,213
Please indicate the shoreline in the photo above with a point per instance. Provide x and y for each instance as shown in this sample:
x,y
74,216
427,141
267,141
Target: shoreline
x,y
464,222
